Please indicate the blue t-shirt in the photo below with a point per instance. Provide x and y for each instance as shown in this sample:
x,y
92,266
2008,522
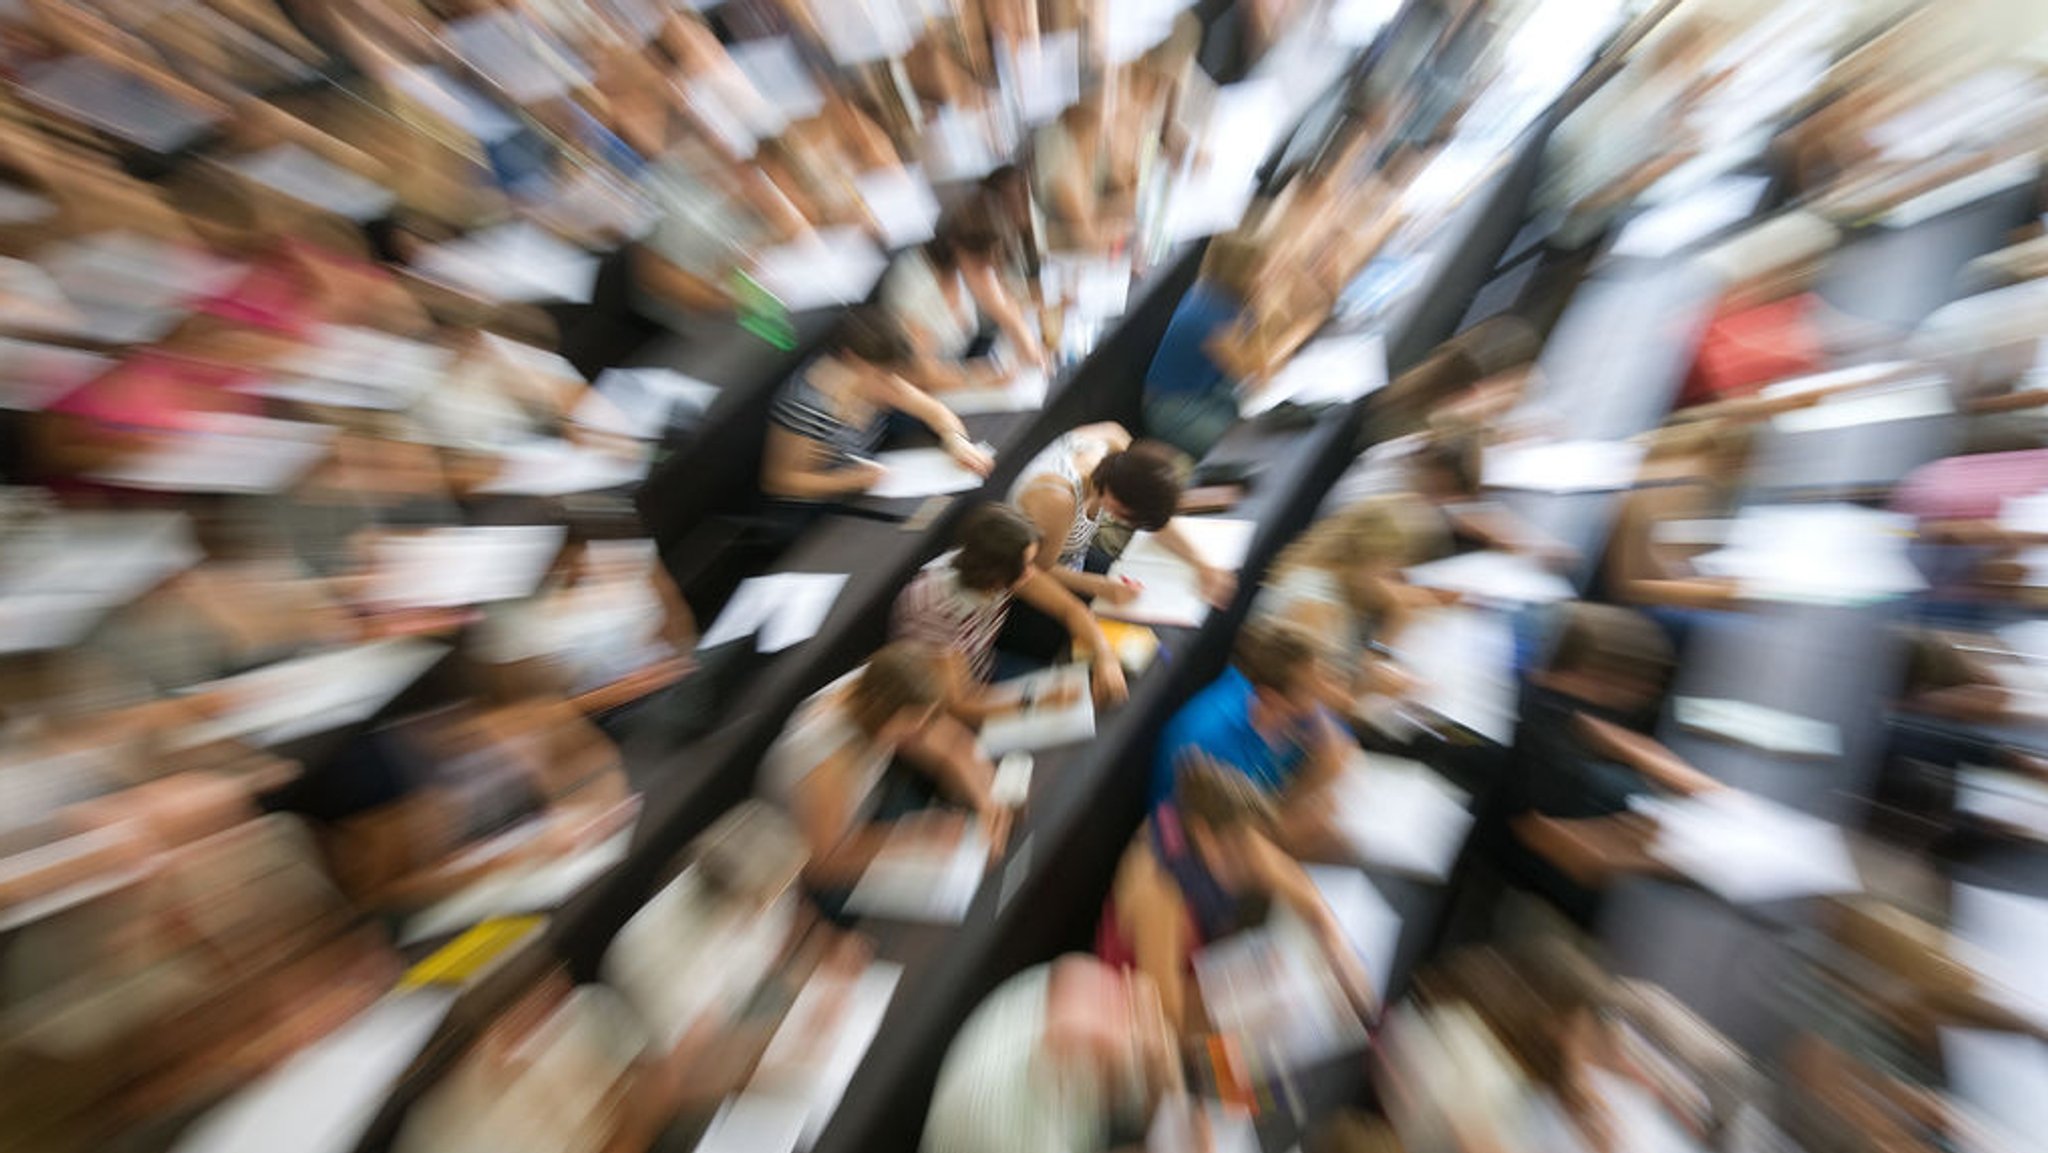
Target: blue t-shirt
x,y
1218,722
1181,366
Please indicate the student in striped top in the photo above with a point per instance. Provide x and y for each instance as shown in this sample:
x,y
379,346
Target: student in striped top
x,y
830,418
958,604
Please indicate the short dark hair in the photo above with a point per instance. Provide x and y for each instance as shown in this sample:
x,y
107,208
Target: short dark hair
x,y
1613,643
868,333
1147,479
1274,654
969,229
993,540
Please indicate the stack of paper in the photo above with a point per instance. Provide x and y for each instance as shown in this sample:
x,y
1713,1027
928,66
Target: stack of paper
x,y
2008,933
1400,816
1760,727
819,1046
778,610
1464,661
1025,391
919,472
226,454
1333,370
1497,577
1824,553
912,881
560,468
902,204
452,567
1064,713
1169,590
283,702
1564,466
642,403
835,266
513,262
1750,850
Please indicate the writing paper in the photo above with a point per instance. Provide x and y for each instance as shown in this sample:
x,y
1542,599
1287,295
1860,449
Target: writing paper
x,y
1169,588
560,468
285,701
1491,575
917,472
1046,725
225,454
779,610
909,880
1463,659
307,177
902,204
452,567
1398,815
1563,466
831,267
642,403
1024,391
1759,726
516,262
1333,370
1692,218
815,1052
1750,850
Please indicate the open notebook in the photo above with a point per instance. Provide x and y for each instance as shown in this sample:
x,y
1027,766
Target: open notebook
x,y
1169,591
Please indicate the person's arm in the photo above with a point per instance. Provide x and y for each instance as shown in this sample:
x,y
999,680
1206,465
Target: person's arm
x,y
898,394
998,305
1043,592
823,804
1645,755
946,752
1152,915
1051,509
1218,585
790,471
1284,878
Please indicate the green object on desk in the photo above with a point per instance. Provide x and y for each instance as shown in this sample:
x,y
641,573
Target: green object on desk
x,y
761,312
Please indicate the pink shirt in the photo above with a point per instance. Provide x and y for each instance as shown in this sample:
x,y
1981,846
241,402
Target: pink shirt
x,y
1971,487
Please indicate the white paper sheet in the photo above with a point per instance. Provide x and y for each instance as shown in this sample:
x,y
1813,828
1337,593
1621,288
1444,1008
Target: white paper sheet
x,y
1563,466
1355,23
1207,202
33,376
1916,400
908,881
1400,816
1464,660
2003,1080
1012,786
358,368
18,205
283,702
1169,591
114,102
835,266
1819,553
472,565
902,204
1025,391
1759,726
516,262
1686,221
775,70
518,56
916,472
802,1065
756,1123
32,302
1172,1130
227,454
534,889
777,610
1045,76
2004,798
1333,370
1964,191
561,468
690,957
456,103
1750,850
308,177
1498,577
57,584
958,146
322,1099
2024,514
1044,726
2008,934
642,402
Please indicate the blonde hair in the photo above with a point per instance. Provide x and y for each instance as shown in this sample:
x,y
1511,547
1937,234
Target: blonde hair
x,y
1396,528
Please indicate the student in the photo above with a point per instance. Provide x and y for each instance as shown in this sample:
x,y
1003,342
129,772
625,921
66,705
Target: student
x,y
1690,473
1264,717
1203,867
832,416
1067,1057
1447,470
827,767
957,607
1582,743
1190,400
940,293
1098,471
1073,182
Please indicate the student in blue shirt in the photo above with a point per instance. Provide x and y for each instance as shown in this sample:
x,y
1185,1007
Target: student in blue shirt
x,y
1264,718
1190,400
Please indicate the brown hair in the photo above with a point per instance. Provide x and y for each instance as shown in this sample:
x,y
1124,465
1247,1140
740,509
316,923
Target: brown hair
x,y
1147,479
868,333
1395,527
1222,799
1232,262
968,229
993,540
1274,654
1613,643
901,676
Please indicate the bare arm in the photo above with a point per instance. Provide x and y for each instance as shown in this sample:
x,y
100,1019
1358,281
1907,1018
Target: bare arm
x,y
1043,592
998,305
1283,877
1643,754
1153,917
1218,585
790,470
1051,510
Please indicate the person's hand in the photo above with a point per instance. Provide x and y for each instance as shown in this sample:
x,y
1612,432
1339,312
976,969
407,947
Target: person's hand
x,y
971,456
1110,687
930,829
863,475
996,822
1218,586
1119,590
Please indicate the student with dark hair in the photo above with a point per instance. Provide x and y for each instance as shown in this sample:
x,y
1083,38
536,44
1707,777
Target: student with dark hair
x,y
943,292
831,416
1264,718
1098,472
958,604
1202,868
827,768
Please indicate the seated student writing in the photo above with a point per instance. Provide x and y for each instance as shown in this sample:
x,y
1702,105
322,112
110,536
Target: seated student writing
x,y
827,767
1265,718
1205,866
1341,582
1583,740
942,292
830,419
1690,473
957,607
1097,472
